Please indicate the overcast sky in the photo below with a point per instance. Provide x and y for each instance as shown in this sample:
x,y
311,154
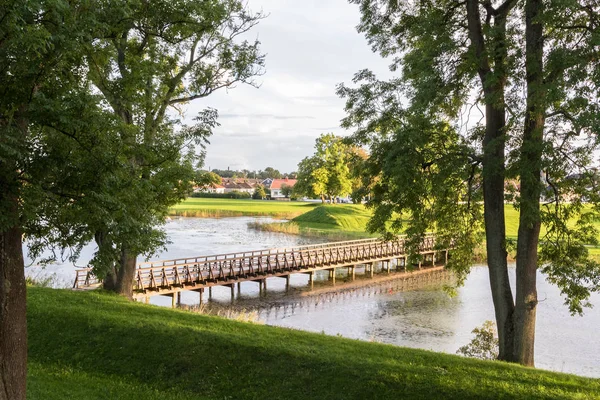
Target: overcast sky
x,y
310,46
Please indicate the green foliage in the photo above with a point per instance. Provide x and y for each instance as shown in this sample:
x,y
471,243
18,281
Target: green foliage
x,y
484,345
206,178
260,193
107,158
326,173
270,172
427,147
286,190
74,355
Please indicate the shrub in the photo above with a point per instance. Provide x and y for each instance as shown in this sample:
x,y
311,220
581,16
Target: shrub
x,y
484,345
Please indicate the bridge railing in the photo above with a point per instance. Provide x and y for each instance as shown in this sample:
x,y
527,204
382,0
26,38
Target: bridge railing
x,y
204,271
231,266
188,260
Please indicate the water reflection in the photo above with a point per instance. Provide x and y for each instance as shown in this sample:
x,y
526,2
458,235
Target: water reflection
x,y
425,318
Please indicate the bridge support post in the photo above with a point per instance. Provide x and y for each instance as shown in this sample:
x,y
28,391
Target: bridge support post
x,y
239,288
387,263
333,276
178,297
210,292
287,283
232,291
371,269
147,299
311,279
352,268
173,300
201,292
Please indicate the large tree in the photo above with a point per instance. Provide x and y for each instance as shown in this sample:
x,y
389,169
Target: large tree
x,y
156,56
40,52
433,159
326,173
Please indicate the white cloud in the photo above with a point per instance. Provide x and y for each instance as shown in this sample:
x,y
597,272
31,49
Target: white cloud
x,y
311,46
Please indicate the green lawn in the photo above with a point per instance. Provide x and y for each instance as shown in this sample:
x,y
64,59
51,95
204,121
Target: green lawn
x,y
340,221
201,207
91,345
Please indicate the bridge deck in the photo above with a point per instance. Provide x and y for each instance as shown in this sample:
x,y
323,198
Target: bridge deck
x,y
197,273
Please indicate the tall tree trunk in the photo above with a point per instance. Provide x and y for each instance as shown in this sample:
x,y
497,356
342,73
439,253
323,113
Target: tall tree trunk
x,y
13,322
495,231
530,173
126,273
119,278
494,144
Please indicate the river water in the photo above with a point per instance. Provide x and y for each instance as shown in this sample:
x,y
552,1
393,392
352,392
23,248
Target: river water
x,y
426,318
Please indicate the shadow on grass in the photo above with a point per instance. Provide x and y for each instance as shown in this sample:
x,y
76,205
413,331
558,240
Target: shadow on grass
x,y
194,356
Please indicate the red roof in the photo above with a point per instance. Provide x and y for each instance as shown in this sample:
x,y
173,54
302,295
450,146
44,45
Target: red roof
x,y
277,183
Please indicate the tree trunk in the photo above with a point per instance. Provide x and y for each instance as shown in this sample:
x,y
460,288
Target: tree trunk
x,y
495,232
494,144
126,273
120,279
13,322
530,174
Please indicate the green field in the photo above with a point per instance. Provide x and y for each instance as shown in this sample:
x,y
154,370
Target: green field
x,y
201,207
91,345
340,221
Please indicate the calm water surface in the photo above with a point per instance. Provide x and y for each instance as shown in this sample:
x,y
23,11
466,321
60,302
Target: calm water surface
x,y
426,319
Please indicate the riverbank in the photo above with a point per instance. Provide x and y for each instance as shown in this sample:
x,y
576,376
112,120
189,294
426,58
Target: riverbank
x,y
90,345
316,220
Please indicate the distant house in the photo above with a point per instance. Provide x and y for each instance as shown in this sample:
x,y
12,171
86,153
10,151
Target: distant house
x,y
239,187
267,182
212,188
276,185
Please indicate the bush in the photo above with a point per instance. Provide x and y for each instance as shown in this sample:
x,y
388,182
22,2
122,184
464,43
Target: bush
x,y
230,195
484,345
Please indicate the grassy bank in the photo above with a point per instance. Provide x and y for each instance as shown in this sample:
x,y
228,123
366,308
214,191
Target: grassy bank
x,y
90,345
198,207
331,222
334,222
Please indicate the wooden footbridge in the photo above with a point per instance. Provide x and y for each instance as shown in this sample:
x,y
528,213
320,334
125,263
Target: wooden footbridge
x,y
171,277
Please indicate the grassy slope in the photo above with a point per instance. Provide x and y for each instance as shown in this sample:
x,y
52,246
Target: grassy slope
x,y
90,345
232,207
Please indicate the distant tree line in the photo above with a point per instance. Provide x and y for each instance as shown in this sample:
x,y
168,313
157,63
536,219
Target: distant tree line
x,y
268,172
